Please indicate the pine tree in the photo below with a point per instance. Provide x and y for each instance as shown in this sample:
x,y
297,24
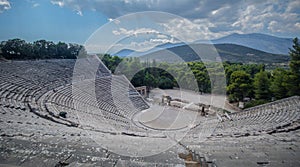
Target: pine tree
x,y
240,86
279,83
261,86
295,68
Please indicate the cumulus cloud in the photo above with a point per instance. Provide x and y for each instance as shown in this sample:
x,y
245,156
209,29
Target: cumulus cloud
x,y
59,3
293,6
135,32
142,46
141,39
4,5
267,15
164,40
186,30
212,18
205,19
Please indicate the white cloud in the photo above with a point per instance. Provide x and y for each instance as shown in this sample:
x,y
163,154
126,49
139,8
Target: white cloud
x,y
267,16
189,31
135,32
140,39
161,41
297,25
293,6
184,29
141,46
116,21
216,16
4,5
220,11
275,26
59,3
79,12
77,7
162,36
35,5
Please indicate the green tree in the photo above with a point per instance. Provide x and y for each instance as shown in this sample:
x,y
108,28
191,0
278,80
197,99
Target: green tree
x,y
295,57
40,49
240,86
149,80
13,49
62,50
295,68
165,83
75,50
18,49
279,83
261,86
111,62
115,62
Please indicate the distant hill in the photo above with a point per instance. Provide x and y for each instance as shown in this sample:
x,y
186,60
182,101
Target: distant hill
x,y
124,52
169,45
234,47
263,42
209,52
132,53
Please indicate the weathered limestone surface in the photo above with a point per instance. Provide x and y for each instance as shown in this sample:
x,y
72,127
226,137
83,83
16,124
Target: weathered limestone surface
x,y
46,120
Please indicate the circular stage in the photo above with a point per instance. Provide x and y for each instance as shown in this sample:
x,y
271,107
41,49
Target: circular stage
x,y
166,118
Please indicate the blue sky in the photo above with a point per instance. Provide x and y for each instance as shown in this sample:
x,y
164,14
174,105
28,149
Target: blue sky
x,y
76,20
43,20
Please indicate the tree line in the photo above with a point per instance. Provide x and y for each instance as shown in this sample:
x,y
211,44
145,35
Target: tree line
x,y
263,85
196,76
18,49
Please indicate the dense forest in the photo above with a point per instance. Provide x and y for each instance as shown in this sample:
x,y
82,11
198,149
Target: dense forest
x,y
18,49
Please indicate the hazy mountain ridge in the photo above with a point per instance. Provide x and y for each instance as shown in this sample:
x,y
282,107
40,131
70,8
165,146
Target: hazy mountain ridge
x,y
263,42
234,47
133,53
209,52
124,52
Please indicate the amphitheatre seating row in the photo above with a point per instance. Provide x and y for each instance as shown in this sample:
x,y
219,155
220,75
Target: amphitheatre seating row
x,y
32,77
228,151
78,100
23,123
262,118
204,128
45,85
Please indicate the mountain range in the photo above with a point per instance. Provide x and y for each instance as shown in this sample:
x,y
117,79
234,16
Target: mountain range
x,y
244,48
217,52
263,42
